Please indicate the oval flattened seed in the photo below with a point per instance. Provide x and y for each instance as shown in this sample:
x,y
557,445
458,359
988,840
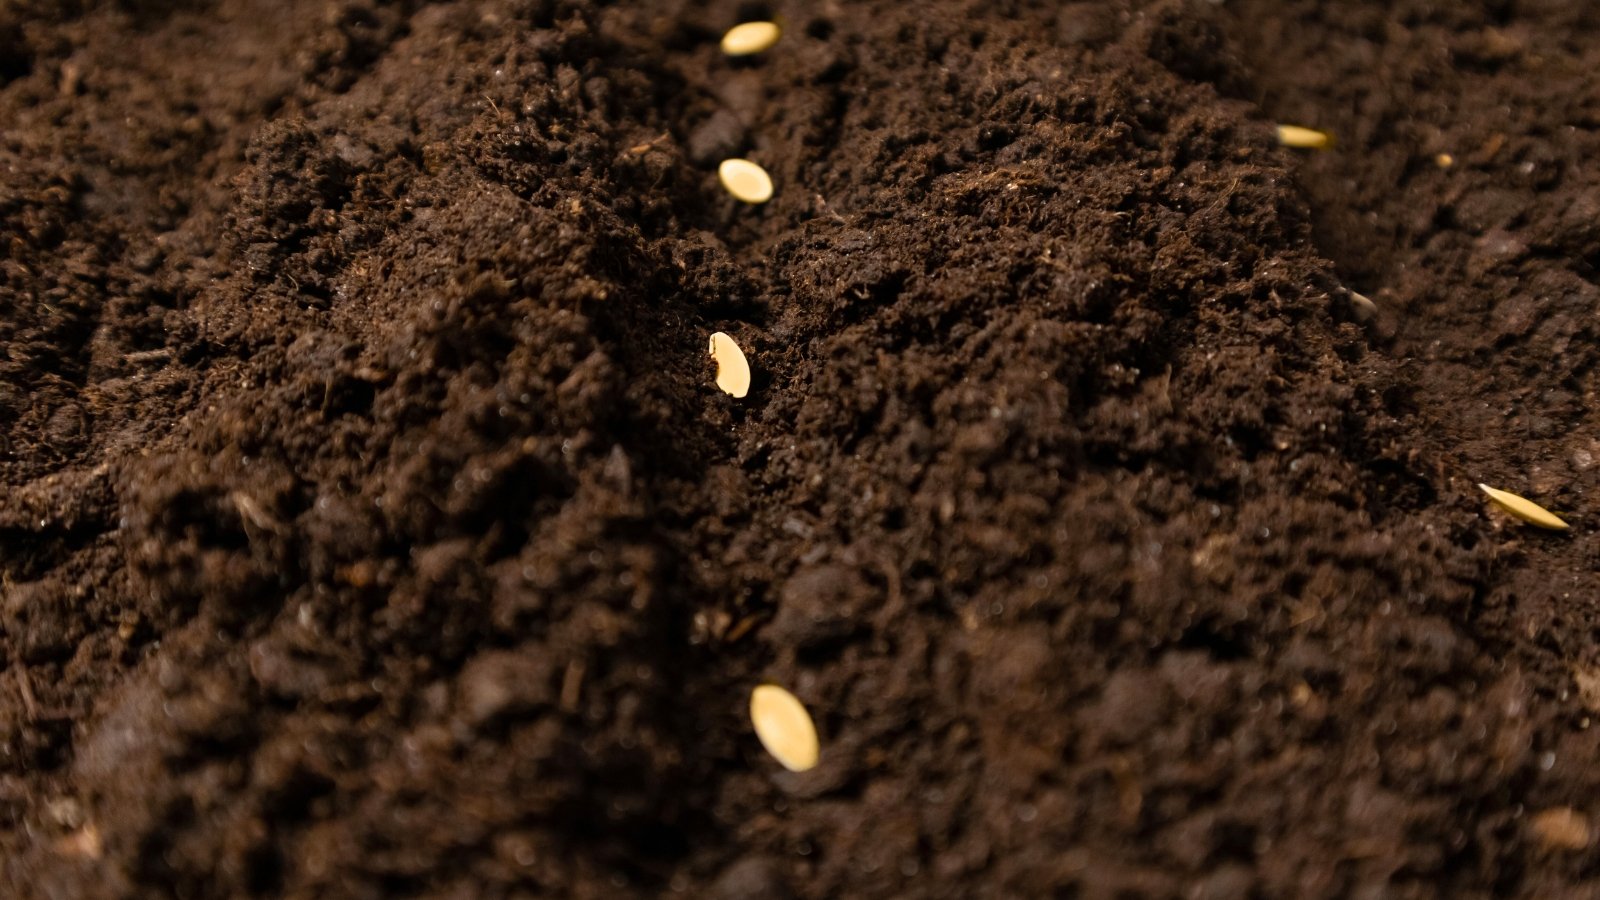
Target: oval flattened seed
x,y
1362,307
784,727
1303,138
748,38
733,370
746,181
1525,509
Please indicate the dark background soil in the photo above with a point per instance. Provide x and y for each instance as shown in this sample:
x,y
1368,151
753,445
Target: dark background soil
x,y
370,525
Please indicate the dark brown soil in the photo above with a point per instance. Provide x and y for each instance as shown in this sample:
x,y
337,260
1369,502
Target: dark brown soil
x,y
370,525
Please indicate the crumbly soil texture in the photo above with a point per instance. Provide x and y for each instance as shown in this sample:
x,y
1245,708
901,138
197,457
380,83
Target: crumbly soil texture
x,y
371,524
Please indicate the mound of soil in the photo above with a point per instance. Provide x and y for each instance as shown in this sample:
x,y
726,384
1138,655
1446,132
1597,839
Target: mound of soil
x,y
371,526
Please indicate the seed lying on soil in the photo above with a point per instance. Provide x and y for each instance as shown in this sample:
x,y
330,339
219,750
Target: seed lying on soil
x,y
1304,138
1524,509
750,37
784,727
745,180
1364,309
1444,160
733,370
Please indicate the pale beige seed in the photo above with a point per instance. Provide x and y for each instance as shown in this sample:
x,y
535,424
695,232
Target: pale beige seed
x,y
1303,138
1444,160
1524,509
733,370
745,180
1364,309
784,727
750,37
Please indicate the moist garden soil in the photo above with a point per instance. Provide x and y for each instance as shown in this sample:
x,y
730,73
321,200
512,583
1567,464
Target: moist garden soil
x,y
371,525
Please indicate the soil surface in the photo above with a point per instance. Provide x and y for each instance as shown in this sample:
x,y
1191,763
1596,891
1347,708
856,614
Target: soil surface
x,y
371,526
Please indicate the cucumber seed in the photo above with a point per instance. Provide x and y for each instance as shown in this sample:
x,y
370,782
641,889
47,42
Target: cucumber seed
x,y
1303,138
733,370
784,727
745,180
1525,509
750,38
1362,307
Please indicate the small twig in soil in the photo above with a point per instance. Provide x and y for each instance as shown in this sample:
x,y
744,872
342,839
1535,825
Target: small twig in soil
x,y
148,356
30,705
572,686
742,628
637,149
